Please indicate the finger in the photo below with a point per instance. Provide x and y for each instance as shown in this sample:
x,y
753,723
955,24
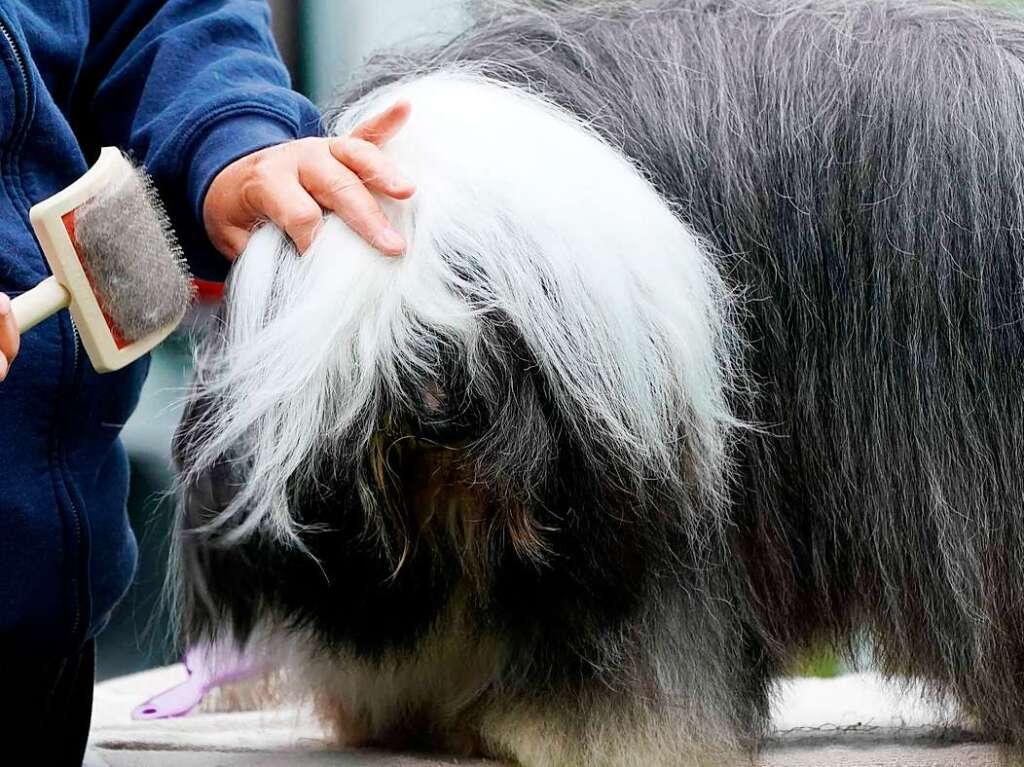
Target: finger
x,y
337,188
290,206
231,241
4,367
10,339
382,127
378,171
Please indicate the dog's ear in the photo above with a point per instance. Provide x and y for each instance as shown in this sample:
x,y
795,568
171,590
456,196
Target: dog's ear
x,y
569,509
555,487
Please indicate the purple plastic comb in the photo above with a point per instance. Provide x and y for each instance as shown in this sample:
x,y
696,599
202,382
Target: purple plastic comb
x,y
208,668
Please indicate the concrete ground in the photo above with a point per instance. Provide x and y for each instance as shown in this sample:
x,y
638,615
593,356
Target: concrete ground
x,y
851,721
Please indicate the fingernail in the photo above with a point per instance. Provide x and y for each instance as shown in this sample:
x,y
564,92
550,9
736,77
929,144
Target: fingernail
x,y
392,240
400,182
5,305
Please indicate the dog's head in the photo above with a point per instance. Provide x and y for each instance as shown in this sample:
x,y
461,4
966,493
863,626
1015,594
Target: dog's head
x,y
553,347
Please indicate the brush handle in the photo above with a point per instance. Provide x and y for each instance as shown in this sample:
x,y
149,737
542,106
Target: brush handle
x,y
44,300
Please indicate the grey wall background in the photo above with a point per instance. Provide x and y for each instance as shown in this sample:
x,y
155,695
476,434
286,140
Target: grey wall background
x,y
323,42
340,34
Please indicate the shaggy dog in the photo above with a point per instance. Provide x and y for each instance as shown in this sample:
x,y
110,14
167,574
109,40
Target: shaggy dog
x,y
708,348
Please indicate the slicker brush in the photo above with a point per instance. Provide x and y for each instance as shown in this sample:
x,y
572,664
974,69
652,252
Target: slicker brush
x,y
115,261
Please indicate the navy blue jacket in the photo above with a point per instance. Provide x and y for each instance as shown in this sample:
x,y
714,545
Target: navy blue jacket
x,y
186,87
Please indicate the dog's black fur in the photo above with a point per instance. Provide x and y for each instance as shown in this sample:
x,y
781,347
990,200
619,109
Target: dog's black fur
x,y
857,166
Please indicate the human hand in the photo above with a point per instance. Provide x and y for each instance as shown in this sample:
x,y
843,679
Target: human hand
x,y
10,338
292,184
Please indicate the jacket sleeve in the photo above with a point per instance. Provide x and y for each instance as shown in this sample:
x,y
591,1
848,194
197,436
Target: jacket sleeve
x,y
187,87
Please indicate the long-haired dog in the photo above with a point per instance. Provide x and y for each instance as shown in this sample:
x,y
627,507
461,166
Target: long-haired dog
x,y
708,348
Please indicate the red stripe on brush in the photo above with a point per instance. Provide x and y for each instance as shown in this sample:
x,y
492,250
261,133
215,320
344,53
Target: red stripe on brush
x,y
208,291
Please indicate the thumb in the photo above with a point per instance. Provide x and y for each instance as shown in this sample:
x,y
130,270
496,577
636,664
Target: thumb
x,y
10,338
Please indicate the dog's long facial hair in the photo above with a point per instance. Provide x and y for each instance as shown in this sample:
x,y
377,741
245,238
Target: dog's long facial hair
x,y
706,349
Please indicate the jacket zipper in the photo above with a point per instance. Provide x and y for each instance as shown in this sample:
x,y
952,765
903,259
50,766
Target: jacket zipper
x,y
78,342
76,514
18,58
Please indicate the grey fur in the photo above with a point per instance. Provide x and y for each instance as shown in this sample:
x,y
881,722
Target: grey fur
x,y
132,258
858,166
860,163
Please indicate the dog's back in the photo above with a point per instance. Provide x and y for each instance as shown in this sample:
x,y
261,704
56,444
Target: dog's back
x,y
858,166
853,170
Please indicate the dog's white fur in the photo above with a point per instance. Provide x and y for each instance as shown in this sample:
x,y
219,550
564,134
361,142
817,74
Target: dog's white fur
x,y
613,295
